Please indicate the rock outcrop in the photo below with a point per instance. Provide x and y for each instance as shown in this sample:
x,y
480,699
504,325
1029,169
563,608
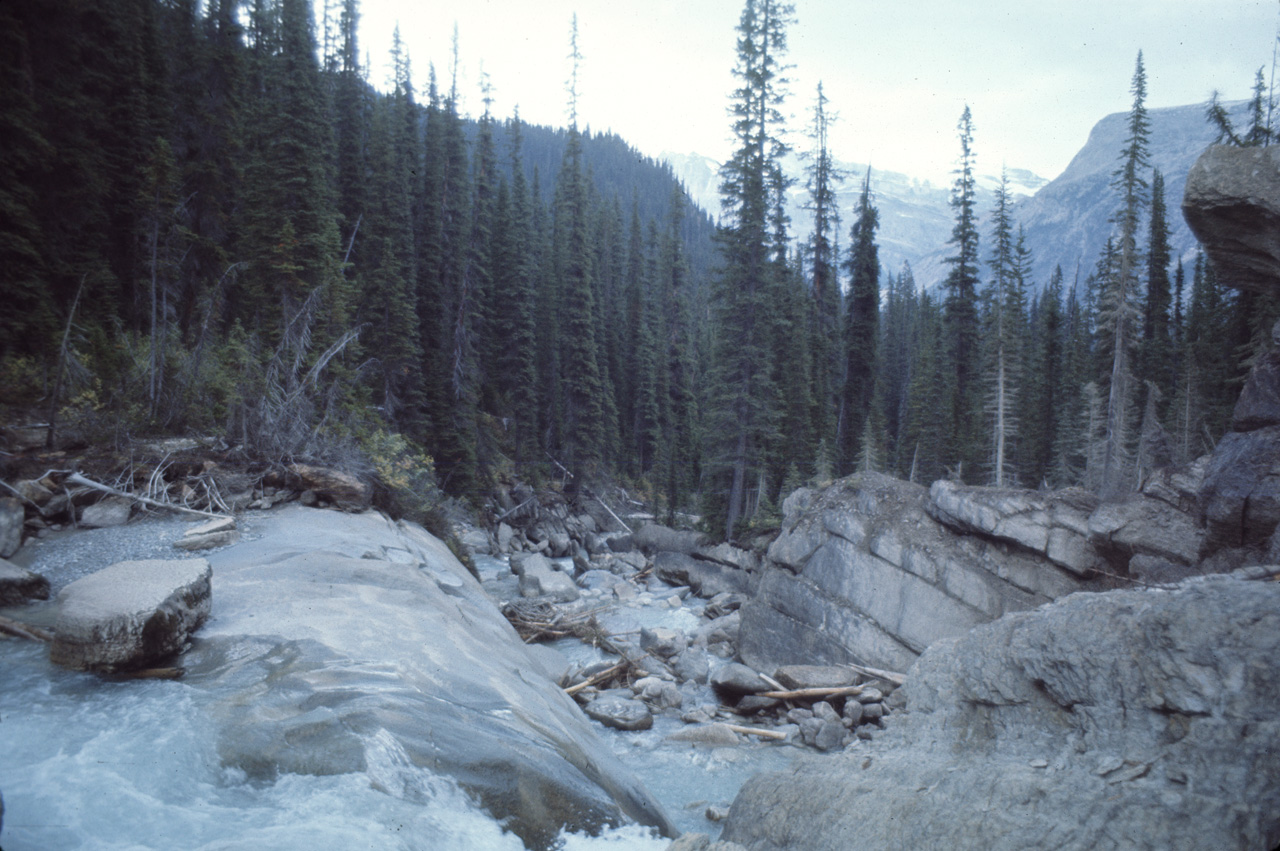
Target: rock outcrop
x,y
864,572
11,517
1232,204
1130,719
18,585
333,645
130,614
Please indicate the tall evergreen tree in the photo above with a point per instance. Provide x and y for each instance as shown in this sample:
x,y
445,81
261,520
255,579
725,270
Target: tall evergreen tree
x,y
1155,350
1121,286
861,328
744,407
960,314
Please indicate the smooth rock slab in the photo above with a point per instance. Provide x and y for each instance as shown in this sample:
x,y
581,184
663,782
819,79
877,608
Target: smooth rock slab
x,y
18,585
131,613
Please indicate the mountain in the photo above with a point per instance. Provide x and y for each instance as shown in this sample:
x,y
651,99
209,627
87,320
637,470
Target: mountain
x,y
1067,220
915,215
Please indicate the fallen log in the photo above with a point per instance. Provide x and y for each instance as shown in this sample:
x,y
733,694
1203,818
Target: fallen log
x,y
756,731
598,677
813,693
21,630
880,674
77,479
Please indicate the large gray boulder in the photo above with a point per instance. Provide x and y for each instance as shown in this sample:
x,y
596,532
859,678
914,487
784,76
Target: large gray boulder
x,y
11,518
1241,491
1232,205
130,614
324,662
19,585
863,573
1125,720
1141,525
705,578
656,538
112,511
539,578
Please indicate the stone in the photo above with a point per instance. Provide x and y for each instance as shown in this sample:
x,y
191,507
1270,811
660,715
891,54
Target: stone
x,y
1148,526
830,736
504,536
539,578
692,666
815,676
130,614
867,574
321,662
717,813
655,538
691,842
753,704
662,641
659,693
206,536
34,492
1232,205
11,517
1101,687
730,556
852,712
1259,402
112,511
345,491
19,585
620,713
735,680
706,578
872,711
309,498
1241,490
599,579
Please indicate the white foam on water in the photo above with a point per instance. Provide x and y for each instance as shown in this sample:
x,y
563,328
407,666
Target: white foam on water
x,y
95,765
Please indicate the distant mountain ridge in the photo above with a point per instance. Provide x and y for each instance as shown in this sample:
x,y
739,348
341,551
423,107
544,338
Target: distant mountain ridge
x,y
1067,220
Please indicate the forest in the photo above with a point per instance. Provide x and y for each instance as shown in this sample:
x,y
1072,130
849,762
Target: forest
x,y
213,223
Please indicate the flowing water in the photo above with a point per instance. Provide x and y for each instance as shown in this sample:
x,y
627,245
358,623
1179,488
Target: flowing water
x,y
88,762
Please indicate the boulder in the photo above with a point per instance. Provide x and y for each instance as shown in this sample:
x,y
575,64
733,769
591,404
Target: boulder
x,y
11,517
1232,205
705,578
655,538
216,533
318,661
112,511
130,614
867,574
735,680
19,586
344,490
621,713
34,492
662,642
1259,402
1140,525
1128,719
539,578
1241,491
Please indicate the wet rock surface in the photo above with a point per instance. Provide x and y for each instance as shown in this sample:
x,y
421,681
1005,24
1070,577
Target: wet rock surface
x,y
332,655
19,585
1130,719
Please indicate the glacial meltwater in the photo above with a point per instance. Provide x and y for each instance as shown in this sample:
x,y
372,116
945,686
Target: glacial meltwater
x,y
94,762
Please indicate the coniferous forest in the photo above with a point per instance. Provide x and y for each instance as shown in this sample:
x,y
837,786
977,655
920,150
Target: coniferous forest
x,y
212,223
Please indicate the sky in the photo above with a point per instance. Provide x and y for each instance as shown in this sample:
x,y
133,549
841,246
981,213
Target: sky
x,y
1037,75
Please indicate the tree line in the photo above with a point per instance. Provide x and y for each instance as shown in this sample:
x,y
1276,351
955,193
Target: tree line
x,y
213,223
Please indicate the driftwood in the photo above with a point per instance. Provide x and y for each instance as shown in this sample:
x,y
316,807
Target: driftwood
x,y
22,630
813,693
614,516
77,479
599,677
756,731
880,674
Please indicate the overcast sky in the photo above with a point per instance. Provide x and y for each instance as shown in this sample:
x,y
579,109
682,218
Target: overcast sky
x,y
1037,75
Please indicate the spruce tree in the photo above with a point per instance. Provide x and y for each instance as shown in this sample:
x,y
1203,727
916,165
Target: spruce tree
x,y
1155,350
1121,288
743,415
960,325
861,329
